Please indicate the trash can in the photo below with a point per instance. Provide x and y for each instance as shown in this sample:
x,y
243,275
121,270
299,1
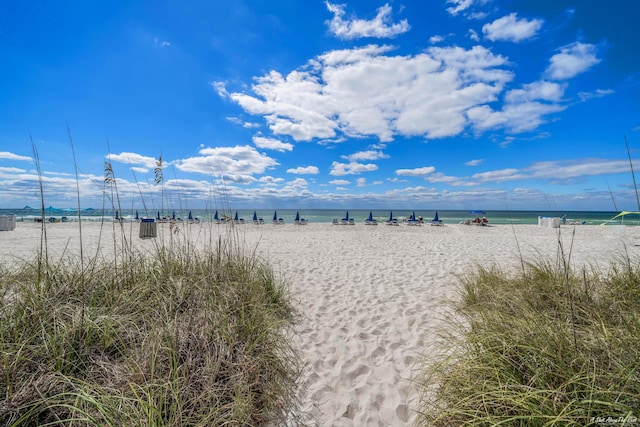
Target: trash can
x,y
148,228
7,222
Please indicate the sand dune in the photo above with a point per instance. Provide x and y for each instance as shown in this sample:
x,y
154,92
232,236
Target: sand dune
x,y
373,299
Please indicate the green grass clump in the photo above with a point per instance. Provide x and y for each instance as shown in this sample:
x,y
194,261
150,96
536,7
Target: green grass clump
x,y
180,338
546,347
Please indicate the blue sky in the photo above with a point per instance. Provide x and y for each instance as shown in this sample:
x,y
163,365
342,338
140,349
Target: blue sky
x,y
438,104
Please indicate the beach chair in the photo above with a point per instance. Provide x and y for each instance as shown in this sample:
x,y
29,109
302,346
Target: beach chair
x,y
298,220
370,220
237,220
391,220
256,220
347,221
413,220
436,221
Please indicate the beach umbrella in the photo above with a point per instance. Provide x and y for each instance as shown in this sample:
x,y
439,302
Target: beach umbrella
x,y
275,215
158,216
390,215
370,219
236,217
173,215
435,218
255,216
137,215
215,216
347,217
621,215
190,216
477,212
297,216
413,216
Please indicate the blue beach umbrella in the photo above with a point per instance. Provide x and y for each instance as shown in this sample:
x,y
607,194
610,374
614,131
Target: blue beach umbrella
x,y
173,215
190,216
137,215
390,215
158,216
215,216
297,216
255,216
370,219
117,217
275,215
236,217
477,212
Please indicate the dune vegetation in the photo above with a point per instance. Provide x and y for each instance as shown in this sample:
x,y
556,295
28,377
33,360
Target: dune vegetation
x,y
542,347
174,338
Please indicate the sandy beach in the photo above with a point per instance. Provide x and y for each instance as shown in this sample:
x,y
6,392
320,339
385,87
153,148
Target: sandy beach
x,y
373,300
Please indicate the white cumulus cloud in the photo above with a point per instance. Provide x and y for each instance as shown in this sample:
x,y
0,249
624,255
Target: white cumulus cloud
x,y
381,26
572,60
236,164
416,172
272,144
366,155
339,182
365,92
304,170
524,109
510,28
459,6
352,168
11,156
133,159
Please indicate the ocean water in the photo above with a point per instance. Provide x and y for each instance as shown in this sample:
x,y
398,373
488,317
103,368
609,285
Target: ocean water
x,y
318,215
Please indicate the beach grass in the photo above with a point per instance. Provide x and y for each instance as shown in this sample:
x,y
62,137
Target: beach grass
x,y
546,346
175,337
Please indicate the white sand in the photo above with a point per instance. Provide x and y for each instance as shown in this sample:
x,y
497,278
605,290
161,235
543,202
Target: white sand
x,y
372,298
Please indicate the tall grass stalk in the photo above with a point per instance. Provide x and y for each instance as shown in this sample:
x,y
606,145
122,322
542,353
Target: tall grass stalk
x,y
75,168
43,253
